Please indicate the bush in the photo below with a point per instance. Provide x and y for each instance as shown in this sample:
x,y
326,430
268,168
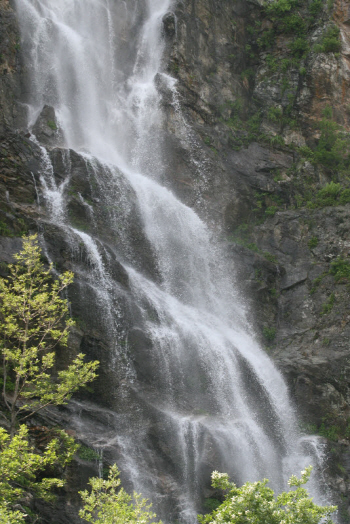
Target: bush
x,y
313,242
271,211
340,269
328,306
274,114
269,333
330,42
299,47
270,257
333,148
328,195
23,470
326,153
294,23
212,504
331,194
344,197
108,503
329,432
315,7
52,125
279,8
86,453
255,503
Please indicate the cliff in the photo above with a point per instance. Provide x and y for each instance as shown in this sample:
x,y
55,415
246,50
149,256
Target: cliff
x,y
267,93
261,151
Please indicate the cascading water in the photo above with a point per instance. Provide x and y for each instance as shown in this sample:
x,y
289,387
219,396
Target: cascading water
x,y
199,394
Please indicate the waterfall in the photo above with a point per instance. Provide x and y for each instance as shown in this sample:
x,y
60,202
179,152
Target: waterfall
x,y
195,390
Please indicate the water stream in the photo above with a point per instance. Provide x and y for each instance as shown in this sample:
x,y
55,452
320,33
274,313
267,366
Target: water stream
x,y
205,395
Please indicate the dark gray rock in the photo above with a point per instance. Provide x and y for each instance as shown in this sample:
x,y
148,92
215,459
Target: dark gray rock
x,y
207,53
47,129
169,25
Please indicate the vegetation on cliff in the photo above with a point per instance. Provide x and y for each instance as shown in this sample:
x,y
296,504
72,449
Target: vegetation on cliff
x,y
299,217
255,503
34,321
108,503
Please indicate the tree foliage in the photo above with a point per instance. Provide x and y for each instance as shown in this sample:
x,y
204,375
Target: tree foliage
x,y
20,465
255,503
108,503
34,320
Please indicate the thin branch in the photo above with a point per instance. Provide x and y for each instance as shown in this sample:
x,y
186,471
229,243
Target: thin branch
x,y
4,385
49,403
4,416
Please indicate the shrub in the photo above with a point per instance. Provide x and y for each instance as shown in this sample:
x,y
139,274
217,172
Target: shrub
x,y
274,114
34,319
108,503
331,194
23,470
270,257
279,8
271,211
211,504
269,333
325,153
315,7
340,269
4,229
344,197
330,42
52,125
327,196
333,147
328,306
294,23
255,503
329,432
86,453
313,242
316,282
299,47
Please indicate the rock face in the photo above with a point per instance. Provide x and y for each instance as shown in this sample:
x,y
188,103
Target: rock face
x,y
12,114
256,105
46,128
266,106
263,195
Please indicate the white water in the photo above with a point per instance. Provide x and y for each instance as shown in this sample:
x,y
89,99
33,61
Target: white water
x,y
218,400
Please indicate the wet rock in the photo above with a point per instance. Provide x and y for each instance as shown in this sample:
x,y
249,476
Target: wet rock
x,y
47,129
12,113
290,292
169,25
141,347
8,247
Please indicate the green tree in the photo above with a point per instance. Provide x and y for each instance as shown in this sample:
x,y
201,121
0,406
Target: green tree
x,y
20,466
107,503
255,503
34,319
